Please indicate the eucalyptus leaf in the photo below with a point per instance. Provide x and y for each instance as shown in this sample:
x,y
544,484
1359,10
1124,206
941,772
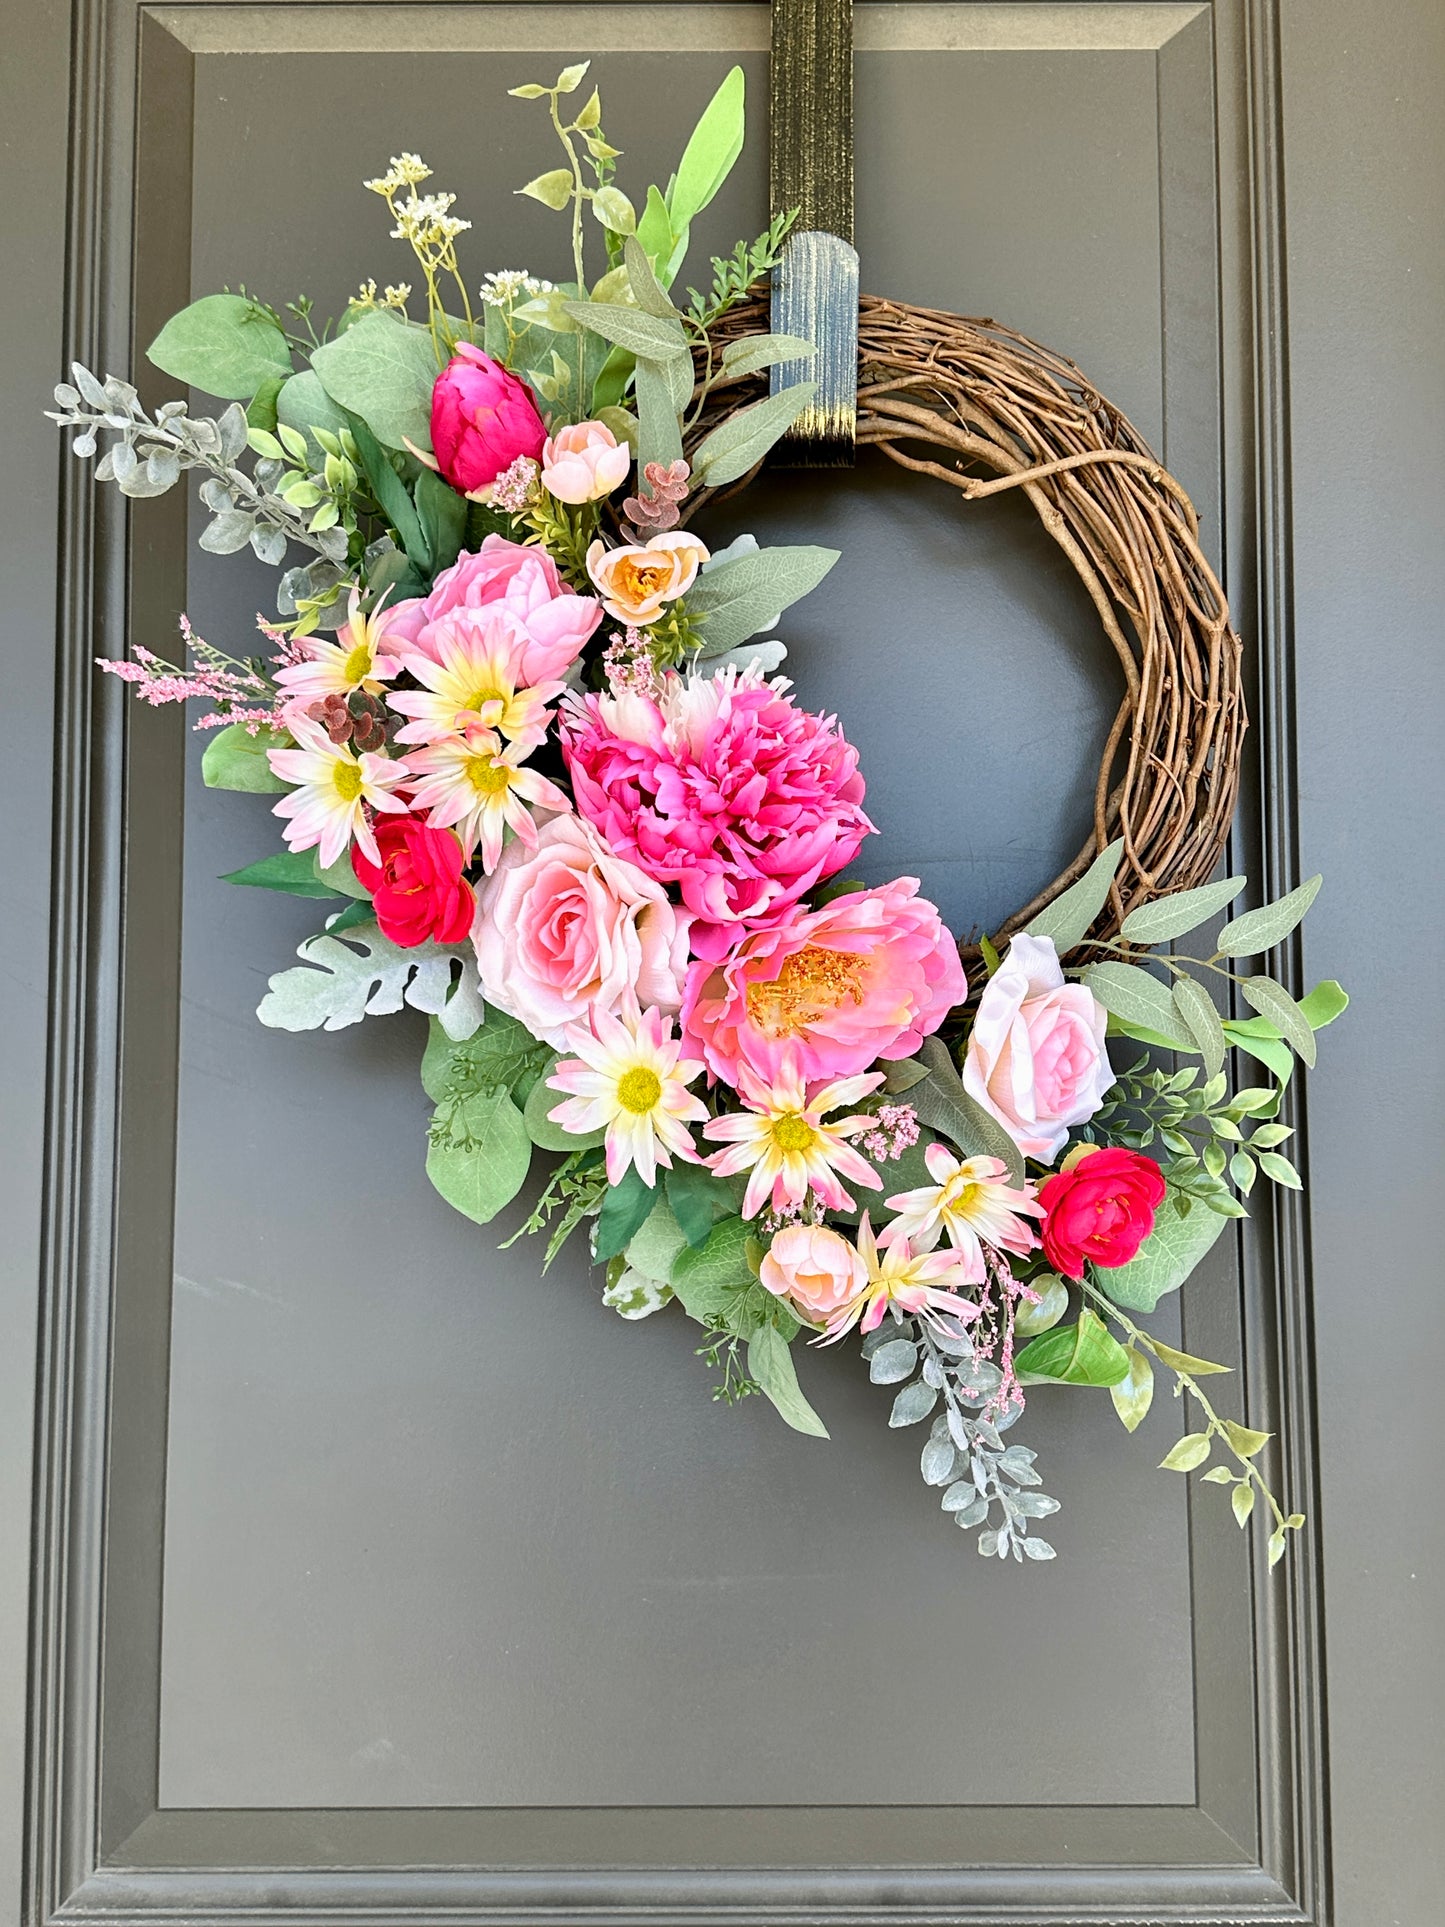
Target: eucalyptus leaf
x,y
1262,929
753,353
651,337
1323,1004
1067,919
223,344
1276,1006
482,1162
647,291
659,438
737,598
1169,917
742,440
235,760
1196,1008
1135,996
945,1106
383,370
1165,1259
770,1364
710,154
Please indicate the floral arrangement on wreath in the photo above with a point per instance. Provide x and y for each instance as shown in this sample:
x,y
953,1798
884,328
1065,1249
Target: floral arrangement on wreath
x,y
526,730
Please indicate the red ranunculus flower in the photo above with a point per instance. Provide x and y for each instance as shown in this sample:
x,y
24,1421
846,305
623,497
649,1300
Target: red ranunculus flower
x,y
1099,1210
417,890
482,419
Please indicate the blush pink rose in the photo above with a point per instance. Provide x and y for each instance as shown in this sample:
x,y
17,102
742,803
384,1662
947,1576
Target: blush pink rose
x,y
816,1270
827,991
511,576
722,786
567,928
583,462
1036,1057
482,419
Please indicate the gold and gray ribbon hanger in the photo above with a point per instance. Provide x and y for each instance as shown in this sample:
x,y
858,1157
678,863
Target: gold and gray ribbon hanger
x,y
815,289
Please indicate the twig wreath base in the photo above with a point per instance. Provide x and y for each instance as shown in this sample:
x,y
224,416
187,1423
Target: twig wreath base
x,y
986,410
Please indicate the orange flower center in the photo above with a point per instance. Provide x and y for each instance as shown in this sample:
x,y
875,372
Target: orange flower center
x,y
641,579
811,984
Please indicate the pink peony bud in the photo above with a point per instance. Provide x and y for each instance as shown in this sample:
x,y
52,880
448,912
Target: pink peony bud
x,y
482,420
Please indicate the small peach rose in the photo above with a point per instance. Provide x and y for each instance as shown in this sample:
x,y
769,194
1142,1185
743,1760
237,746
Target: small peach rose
x,y
634,582
583,462
815,1269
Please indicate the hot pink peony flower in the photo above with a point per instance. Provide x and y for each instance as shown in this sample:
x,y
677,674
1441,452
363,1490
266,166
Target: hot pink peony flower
x,y
520,580
722,786
482,419
1036,1056
567,928
869,975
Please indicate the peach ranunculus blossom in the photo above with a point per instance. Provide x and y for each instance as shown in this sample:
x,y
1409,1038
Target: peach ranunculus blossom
x,y
568,928
816,1270
583,462
1036,1059
636,582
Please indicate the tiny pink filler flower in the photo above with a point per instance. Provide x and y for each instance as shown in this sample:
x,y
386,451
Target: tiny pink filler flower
x,y
783,1139
328,808
630,1079
973,1202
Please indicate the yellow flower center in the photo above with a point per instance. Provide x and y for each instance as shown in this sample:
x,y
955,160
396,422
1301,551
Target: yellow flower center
x,y
811,983
960,1196
486,775
638,1090
792,1133
640,580
479,698
357,666
347,778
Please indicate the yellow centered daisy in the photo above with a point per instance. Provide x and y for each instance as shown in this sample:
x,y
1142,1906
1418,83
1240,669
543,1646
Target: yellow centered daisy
x,y
783,1140
629,1080
348,780
487,776
357,667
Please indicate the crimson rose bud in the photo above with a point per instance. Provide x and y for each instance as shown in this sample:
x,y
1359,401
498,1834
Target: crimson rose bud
x,y
417,890
482,419
1101,1210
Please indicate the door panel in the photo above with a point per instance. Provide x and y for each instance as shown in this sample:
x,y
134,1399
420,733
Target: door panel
x,y
415,1560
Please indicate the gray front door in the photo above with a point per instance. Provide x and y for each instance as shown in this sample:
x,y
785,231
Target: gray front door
x,y
376,1577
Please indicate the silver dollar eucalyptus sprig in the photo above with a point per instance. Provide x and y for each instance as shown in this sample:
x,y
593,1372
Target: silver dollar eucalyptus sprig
x,y
149,456
986,1484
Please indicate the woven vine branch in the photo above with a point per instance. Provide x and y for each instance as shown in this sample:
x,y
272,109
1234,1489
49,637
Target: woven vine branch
x,y
986,410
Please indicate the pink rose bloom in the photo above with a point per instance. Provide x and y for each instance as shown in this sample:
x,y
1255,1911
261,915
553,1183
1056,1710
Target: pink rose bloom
x,y
567,928
482,419
827,991
722,786
816,1270
582,463
521,580
1036,1057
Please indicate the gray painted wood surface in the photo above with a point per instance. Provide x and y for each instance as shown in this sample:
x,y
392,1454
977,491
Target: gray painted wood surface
x,y
358,1547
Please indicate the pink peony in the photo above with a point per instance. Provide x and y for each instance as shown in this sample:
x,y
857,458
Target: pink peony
x,y
722,786
583,462
567,928
523,581
816,1270
1036,1057
482,419
869,975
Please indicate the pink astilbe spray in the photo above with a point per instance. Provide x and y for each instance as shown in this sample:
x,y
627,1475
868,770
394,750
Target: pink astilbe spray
x,y
242,693
895,1129
993,1335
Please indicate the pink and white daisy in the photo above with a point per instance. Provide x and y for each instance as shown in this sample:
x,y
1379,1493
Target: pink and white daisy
x,y
472,672
329,807
475,784
783,1139
629,1077
357,659
973,1202
922,1284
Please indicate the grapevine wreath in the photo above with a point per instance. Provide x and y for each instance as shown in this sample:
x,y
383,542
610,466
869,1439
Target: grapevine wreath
x,y
529,748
